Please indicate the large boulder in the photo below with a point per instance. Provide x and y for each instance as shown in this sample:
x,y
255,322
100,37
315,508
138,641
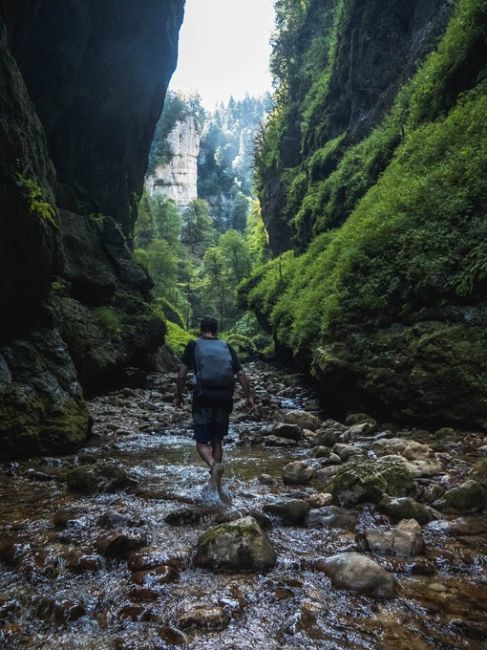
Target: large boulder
x,y
358,572
479,472
239,545
285,430
369,481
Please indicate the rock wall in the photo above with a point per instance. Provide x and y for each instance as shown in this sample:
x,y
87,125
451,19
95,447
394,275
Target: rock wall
x,y
371,178
178,180
81,88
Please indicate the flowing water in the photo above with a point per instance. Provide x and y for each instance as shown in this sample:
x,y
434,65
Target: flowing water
x,y
57,590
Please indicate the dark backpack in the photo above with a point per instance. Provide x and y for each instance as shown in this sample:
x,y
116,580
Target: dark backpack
x,y
214,372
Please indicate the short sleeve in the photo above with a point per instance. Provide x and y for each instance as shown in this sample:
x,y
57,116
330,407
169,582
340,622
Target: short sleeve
x,y
188,355
237,366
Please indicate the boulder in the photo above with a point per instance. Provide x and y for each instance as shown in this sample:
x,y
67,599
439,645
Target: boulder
x,y
320,499
158,575
467,498
276,441
291,513
96,478
297,473
407,508
119,544
479,472
303,419
320,451
359,573
286,430
346,451
417,468
389,446
239,545
403,540
369,480
417,451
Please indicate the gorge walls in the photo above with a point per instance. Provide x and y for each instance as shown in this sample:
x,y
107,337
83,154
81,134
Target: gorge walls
x,y
82,87
372,190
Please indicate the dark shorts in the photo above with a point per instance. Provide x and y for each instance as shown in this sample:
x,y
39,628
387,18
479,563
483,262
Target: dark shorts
x,y
210,422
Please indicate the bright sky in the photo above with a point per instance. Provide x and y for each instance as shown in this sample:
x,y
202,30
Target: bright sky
x,y
224,49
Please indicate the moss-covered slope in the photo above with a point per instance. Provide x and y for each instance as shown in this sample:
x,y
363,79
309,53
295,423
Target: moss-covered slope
x,y
388,304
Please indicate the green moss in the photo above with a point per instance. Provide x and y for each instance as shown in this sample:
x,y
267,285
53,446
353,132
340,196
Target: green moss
x,y
109,319
177,338
36,199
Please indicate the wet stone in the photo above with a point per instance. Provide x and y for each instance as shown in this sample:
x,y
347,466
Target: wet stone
x,y
172,635
184,517
96,478
297,473
407,508
359,573
159,575
239,545
85,564
212,619
403,540
331,517
119,544
467,498
302,419
289,431
290,513
143,594
60,611
320,499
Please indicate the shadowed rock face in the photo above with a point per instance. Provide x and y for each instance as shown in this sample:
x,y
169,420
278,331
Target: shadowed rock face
x,y
97,73
82,85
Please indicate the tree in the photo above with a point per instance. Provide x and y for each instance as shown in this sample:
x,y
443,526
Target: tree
x,y
240,210
197,228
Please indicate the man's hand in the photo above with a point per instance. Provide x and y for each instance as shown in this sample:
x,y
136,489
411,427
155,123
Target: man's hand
x,y
249,403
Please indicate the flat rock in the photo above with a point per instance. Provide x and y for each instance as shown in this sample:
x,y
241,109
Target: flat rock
x,y
239,545
289,431
359,573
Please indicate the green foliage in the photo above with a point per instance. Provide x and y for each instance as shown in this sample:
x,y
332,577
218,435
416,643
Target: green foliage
x,y
36,200
256,235
109,319
177,338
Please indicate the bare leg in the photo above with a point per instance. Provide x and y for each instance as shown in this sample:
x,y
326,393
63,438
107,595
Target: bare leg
x,y
216,445
206,453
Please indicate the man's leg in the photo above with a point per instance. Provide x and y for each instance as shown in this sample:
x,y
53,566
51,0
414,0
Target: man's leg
x,y
217,449
206,453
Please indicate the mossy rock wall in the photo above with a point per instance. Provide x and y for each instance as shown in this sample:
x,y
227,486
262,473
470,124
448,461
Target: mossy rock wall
x,y
384,300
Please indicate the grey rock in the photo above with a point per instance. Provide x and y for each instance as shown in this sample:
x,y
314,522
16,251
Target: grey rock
x,y
359,573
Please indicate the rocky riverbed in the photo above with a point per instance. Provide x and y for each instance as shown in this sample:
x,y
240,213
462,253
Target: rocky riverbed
x,y
351,534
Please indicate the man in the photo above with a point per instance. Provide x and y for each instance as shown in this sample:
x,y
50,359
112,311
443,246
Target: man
x,y
215,364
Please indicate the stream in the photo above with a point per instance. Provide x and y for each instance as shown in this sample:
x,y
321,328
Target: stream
x,y
106,570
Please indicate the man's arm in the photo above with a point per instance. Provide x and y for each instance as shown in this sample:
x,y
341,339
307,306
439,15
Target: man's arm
x,y
180,384
245,383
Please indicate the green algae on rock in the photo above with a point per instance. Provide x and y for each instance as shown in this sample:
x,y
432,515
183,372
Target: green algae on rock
x,y
239,545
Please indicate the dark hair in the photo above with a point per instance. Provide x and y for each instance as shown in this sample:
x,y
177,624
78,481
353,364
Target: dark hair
x,y
209,325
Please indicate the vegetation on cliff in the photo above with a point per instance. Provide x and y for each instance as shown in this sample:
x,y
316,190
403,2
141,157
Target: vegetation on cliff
x,y
387,305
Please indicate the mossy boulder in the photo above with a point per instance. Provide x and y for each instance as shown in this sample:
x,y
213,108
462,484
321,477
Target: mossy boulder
x,y
239,545
467,498
369,481
407,508
98,477
479,472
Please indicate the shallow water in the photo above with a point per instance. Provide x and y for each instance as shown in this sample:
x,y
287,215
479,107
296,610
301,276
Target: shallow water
x,y
292,606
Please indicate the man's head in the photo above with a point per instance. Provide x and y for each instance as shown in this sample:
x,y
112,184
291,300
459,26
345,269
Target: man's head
x,y
209,326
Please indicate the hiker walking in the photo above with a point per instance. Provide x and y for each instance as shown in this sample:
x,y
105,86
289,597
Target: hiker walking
x,y
215,364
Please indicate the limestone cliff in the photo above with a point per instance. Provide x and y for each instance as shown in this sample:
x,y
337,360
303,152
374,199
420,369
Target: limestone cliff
x,y
178,179
81,89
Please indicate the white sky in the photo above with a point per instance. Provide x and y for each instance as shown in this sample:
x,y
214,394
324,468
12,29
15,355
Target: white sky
x,y
224,49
